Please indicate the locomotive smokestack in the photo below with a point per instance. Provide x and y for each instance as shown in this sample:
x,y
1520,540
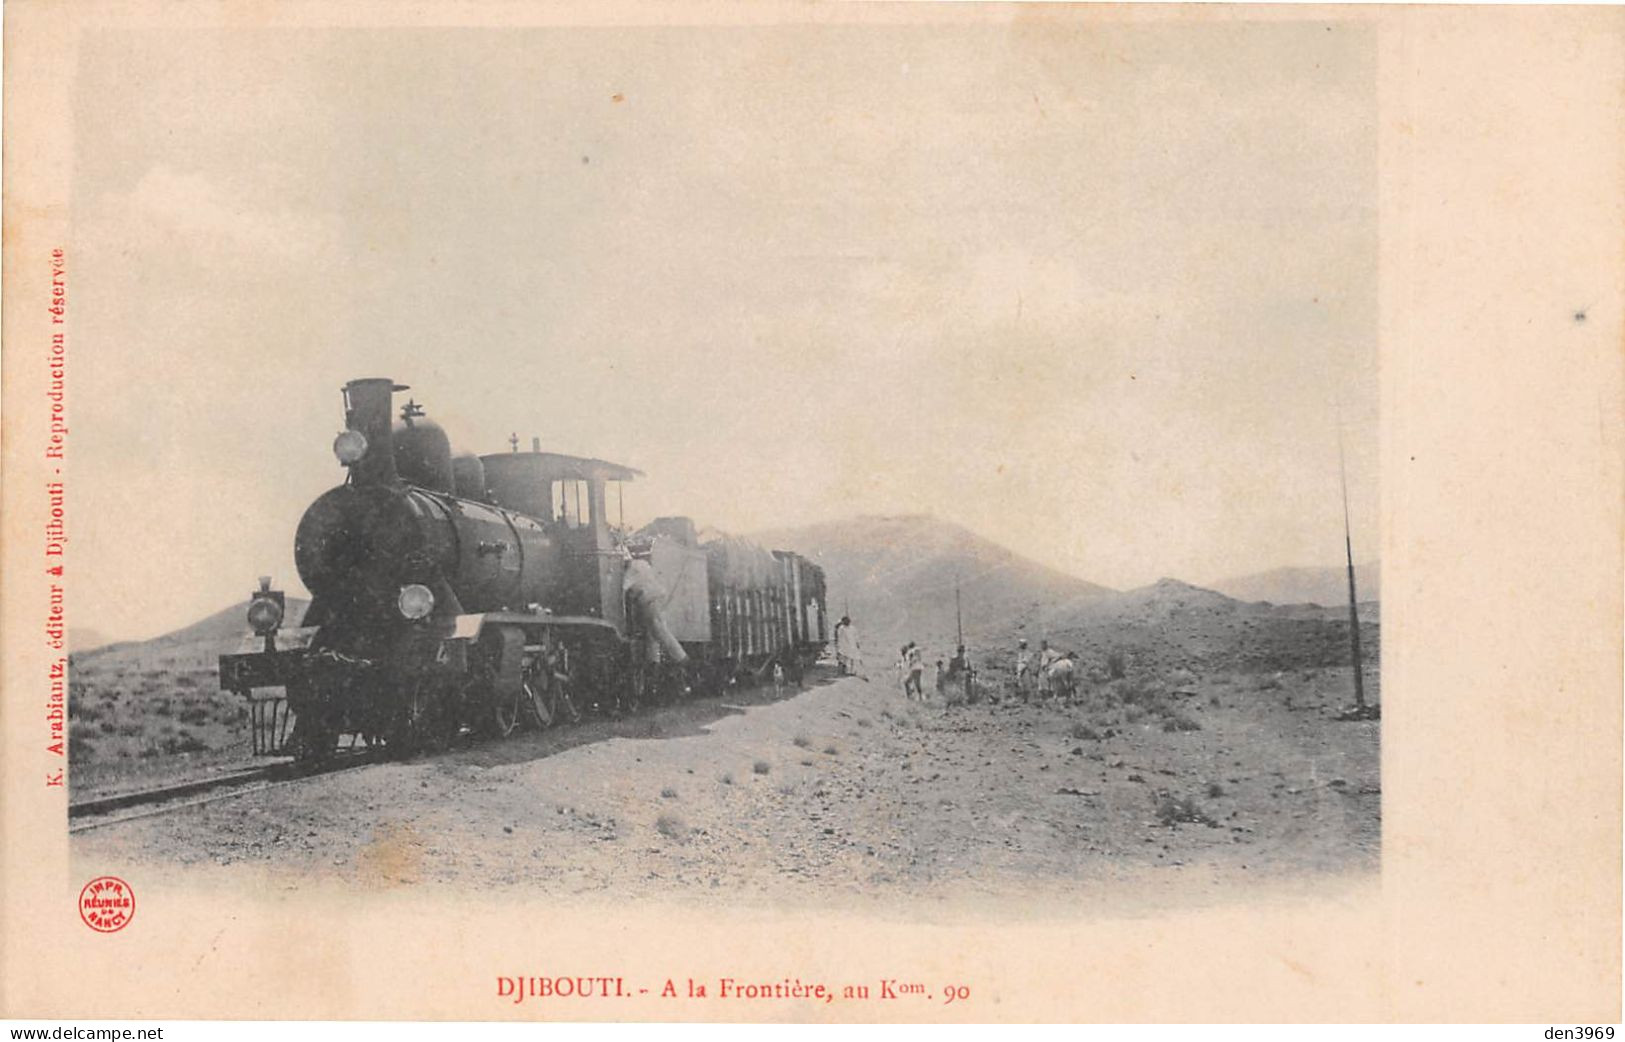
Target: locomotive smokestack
x,y
369,409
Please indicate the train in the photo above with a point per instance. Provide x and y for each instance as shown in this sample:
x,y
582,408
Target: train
x,y
453,592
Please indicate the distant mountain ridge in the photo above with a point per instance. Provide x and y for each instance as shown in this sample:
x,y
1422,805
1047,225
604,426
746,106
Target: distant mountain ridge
x,y
1323,586
896,575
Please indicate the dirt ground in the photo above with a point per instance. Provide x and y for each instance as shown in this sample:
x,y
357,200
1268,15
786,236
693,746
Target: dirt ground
x,y
842,791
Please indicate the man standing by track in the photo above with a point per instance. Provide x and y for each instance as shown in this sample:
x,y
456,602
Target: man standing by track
x,y
1047,657
915,663
1024,671
848,655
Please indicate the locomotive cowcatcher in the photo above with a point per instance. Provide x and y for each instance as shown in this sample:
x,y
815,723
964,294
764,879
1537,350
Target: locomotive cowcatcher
x,y
453,592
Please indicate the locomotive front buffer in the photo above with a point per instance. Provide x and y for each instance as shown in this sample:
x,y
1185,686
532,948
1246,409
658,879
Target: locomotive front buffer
x,y
269,661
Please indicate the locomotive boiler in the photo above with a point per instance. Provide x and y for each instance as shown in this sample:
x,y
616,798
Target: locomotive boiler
x,y
452,592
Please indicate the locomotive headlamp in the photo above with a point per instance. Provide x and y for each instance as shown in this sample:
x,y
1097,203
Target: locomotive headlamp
x,y
349,447
416,600
264,615
265,612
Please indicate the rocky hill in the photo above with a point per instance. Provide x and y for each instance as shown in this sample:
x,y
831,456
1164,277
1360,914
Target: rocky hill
x,y
1173,625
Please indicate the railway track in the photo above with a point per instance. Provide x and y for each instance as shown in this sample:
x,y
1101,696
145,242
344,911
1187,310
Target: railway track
x,y
102,811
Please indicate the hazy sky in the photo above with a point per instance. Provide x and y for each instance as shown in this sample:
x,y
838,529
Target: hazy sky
x,y
1096,293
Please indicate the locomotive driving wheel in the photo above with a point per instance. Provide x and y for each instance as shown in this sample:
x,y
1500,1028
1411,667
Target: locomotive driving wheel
x,y
548,688
509,710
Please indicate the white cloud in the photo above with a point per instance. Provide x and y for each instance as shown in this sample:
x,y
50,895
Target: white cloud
x,y
198,209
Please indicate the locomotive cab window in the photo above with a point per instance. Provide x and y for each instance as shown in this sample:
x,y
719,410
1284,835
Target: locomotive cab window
x,y
571,503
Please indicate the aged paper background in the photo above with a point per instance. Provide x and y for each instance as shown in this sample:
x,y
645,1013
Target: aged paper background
x,y
1501,175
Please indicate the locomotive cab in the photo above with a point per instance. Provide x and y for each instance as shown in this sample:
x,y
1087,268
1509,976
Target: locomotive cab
x,y
571,494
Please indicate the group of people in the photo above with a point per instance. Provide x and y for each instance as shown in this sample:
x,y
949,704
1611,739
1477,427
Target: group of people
x,y
1050,673
910,664
911,672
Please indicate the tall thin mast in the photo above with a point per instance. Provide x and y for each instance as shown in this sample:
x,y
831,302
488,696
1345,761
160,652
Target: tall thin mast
x,y
959,618
1348,548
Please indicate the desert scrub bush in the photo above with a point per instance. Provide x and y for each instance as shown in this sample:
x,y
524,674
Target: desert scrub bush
x,y
1175,810
183,742
830,750
186,680
1214,790
728,778
668,793
1133,714
1268,683
761,767
194,714
801,741
864,721
80,746
673,828
1116,665
1177,721
107,726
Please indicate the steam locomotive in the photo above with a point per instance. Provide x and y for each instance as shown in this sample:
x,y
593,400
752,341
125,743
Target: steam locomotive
x,y
453,592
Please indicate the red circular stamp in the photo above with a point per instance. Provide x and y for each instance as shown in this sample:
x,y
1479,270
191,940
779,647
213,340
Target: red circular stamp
x,y
106,904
